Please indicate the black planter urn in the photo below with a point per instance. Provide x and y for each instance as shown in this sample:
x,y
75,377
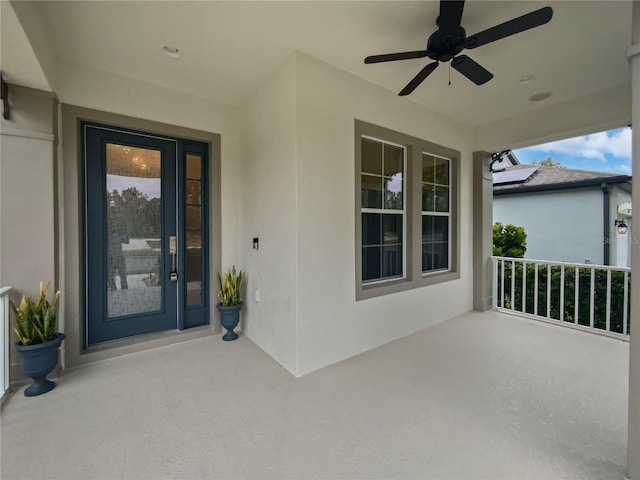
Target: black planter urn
x,y
38,361
230,317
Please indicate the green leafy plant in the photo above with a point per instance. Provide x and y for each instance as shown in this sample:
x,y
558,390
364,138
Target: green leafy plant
x,y
35,322
509,240
231,287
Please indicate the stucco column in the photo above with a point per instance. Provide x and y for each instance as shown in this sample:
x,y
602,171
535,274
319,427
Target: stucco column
x,y
633,448
482,231
27,197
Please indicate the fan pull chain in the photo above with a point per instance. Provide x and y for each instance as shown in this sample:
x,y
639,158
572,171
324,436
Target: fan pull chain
x,y
449,73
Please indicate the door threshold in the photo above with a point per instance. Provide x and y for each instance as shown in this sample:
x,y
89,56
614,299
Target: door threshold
x,y
139,343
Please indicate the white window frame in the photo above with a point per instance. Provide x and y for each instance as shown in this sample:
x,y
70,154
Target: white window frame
x,y
441,214
383,211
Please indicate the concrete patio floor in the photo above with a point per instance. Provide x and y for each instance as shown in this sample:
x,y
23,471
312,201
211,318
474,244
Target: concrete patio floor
x,y
484,395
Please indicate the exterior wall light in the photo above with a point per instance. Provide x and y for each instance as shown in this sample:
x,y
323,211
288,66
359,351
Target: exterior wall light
x,y
498,162
622,226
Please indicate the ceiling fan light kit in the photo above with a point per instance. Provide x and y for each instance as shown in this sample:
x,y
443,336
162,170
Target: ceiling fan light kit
x,y
446,43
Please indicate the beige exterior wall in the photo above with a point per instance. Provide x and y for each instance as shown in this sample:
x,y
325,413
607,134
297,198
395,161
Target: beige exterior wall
x,y
287,177
268,211
332,326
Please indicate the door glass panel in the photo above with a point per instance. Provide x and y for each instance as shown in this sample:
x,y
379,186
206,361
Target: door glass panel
x,y
193,192
134,230
194,167
193,218
193,252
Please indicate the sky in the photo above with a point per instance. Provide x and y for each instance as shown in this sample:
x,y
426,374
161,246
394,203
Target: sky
x,y
602,152
149,186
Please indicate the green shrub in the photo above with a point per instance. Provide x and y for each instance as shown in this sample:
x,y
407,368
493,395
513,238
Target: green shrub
x,y
509,240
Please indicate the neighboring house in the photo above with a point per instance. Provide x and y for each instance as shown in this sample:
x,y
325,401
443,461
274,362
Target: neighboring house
x,y
568,215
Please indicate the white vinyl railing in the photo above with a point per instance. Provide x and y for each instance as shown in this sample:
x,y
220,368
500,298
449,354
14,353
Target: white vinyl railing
x,y
4,339
583,296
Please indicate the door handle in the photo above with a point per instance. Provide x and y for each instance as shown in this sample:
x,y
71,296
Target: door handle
x,y
173,251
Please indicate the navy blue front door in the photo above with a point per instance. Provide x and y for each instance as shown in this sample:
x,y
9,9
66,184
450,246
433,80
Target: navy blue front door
x,y
131,233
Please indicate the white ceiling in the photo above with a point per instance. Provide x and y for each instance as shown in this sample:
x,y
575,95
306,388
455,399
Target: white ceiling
x,y
19,63
229,48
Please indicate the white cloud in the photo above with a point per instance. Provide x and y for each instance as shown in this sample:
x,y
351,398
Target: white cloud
x,y
624,169
616,144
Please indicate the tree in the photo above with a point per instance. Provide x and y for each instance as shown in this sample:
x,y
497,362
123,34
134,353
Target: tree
x,y
509,240
548,162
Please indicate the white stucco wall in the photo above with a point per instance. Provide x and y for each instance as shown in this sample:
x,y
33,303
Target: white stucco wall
x,y
331,324
288,178
560,225
298,198
619,253
268,211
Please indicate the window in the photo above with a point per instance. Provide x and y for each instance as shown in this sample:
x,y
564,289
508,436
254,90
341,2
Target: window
x,y
436,193
406,221
382,210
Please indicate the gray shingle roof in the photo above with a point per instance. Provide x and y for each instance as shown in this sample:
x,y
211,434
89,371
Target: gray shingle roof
x,y
553,178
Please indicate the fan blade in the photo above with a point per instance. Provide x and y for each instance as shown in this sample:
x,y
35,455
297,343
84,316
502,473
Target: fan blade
x,y
391,57
472,70
517,25
418,79
450,15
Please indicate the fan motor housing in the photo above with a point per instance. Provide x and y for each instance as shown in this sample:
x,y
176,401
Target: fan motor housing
x,y
444,46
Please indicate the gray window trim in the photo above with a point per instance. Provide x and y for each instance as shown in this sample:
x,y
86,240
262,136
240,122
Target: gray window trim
x,y
414,277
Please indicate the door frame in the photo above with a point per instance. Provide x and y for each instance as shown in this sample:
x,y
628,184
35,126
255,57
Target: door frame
x,y
69,232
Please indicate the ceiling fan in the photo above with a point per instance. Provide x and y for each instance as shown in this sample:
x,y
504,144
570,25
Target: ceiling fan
x,y
446,43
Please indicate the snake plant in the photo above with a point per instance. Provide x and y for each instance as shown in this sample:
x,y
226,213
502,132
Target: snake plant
x,y
35,322
231,287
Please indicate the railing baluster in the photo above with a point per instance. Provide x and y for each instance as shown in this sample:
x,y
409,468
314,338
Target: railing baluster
x,y
625,308
592,294
494,285
502,285
549,290
559,302
513,284
535,290
608,309
4,339
562,293
577,296
524,287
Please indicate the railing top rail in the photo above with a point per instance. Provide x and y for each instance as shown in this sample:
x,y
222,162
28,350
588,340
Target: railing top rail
x,y
4,290
566,264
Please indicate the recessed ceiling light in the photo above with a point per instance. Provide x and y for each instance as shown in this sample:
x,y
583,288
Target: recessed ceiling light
x,y
526,79
538,97
171,51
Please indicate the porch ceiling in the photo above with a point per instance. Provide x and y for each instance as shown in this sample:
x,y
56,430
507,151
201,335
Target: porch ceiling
x,y
229,48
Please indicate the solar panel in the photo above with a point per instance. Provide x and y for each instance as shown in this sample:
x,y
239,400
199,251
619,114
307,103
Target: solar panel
x,y
513,176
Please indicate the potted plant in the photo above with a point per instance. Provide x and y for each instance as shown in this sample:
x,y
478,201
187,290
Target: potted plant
x,y
38,339
230,294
